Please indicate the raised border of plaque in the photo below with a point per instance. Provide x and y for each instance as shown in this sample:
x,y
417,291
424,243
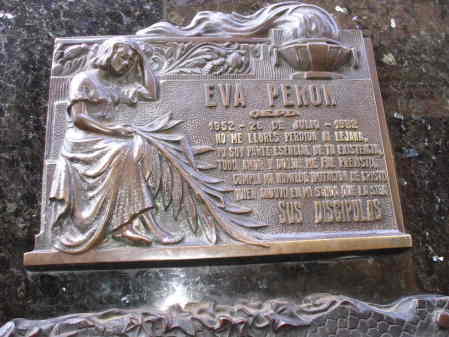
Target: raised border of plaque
x,y
234,136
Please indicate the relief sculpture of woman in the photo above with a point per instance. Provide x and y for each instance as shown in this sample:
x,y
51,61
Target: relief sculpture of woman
x,y
100,186
109,175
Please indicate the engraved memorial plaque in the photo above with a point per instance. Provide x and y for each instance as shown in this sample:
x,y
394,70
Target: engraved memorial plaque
x,y
233,136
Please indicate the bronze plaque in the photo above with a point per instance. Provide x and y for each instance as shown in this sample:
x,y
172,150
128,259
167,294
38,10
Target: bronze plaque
x,y
232,136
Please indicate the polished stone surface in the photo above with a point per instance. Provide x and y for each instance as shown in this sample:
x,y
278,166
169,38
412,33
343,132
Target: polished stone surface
x,y
410,41
378,278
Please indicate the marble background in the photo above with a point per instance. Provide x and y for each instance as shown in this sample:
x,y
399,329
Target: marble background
x,y
410,41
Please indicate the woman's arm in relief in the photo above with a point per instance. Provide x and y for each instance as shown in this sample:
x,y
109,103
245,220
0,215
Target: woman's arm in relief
x,y
83,121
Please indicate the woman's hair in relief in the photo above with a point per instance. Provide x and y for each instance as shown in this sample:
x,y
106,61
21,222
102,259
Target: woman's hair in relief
x,y
106,51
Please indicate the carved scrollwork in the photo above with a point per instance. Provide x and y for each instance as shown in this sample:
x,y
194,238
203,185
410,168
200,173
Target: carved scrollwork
x,y
199,58
171,58
337,316
72,58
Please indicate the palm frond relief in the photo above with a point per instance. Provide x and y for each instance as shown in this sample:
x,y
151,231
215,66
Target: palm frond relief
x,y
179,182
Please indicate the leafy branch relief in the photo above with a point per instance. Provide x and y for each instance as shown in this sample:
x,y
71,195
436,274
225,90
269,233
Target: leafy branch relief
x,y
178,180
199,58
170,58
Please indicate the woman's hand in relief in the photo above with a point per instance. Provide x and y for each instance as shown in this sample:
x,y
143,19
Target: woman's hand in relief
x,y
132,95
138,93
143,94
123,130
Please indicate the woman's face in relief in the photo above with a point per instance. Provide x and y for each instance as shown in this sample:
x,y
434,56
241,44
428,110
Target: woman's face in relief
x,y
123,59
